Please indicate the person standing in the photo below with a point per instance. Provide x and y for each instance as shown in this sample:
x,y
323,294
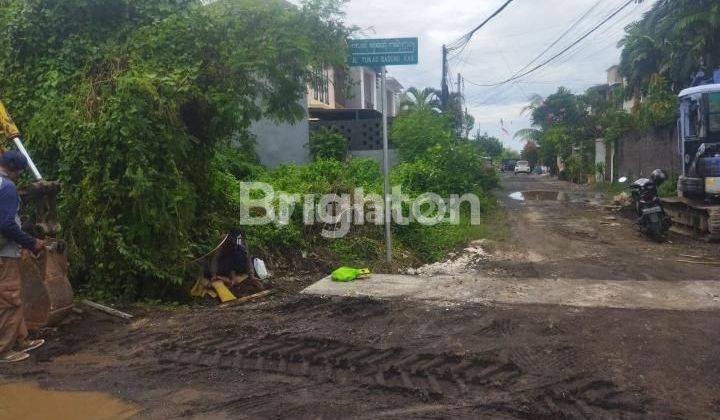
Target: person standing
x,y
14,343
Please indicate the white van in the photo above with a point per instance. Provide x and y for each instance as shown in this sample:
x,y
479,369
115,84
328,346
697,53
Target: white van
x,y
522,167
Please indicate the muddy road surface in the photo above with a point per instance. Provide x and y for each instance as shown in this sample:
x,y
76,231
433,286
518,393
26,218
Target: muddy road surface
x,y
314,357
563,230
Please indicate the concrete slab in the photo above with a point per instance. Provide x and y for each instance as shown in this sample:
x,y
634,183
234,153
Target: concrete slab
x,y
682,295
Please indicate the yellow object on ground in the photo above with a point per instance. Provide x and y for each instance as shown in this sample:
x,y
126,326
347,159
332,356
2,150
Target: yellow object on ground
x,y
203,288
215,289
223,292
7,126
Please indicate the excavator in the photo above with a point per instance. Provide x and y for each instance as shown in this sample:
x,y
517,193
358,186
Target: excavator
x,y
696,210
46,292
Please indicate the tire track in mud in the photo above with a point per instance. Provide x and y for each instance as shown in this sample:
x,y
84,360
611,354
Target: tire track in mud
x,y
519,383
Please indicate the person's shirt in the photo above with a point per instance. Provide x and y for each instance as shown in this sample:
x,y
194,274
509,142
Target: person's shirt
x,y
12,235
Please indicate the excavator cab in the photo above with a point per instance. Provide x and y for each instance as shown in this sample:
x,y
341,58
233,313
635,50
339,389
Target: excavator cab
x,y
697,208
699,136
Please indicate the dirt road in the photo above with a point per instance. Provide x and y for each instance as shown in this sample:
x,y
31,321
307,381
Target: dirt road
x,y
327,358
574,238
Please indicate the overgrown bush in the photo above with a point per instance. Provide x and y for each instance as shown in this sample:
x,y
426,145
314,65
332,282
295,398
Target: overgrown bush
x,y
435,160
133,105
669,188
319,177
455,170
416,132
660,106
327,143
578,168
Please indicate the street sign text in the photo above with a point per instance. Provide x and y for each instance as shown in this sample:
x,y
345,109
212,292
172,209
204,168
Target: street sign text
x,y
383,52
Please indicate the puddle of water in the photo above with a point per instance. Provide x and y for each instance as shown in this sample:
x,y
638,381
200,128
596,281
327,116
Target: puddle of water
x,y
538,196
27,401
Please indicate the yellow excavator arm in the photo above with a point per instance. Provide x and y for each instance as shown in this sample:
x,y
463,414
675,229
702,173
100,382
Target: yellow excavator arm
x,y
7,126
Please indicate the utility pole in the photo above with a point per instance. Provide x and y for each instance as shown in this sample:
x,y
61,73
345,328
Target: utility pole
x,y
460,106
445,94
467,133
386,167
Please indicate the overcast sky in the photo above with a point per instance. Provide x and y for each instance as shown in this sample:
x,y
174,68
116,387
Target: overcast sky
x,y
505,45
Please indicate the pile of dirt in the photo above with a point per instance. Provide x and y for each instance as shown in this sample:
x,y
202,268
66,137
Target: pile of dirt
x,y
457,264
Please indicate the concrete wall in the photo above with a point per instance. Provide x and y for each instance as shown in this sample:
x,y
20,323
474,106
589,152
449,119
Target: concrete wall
x,y
613,76
281,143
601,157
637,155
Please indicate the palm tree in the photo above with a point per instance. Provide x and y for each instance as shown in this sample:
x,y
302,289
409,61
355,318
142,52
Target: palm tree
x,y
528,135
536,102
674,39
531,134
421,100
642,56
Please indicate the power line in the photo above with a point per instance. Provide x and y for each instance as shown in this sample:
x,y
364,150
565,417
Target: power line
x,y
460,57
457,47
493,93
556,56
465,39
564,34
579,53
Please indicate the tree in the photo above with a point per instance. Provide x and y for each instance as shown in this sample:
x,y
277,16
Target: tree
x,y
529,135
531,154
674,39
129,103
510,154
415,100
535,102
491,146
562,107
461,120
416,132
640,58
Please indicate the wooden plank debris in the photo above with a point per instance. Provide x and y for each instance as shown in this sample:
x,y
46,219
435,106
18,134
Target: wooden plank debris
x,y
246,299
108,310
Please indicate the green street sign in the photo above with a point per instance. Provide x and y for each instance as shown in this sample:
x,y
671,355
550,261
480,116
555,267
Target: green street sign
x,y
383,52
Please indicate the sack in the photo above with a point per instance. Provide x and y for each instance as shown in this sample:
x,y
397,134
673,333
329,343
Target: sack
x,y
260,269
347,274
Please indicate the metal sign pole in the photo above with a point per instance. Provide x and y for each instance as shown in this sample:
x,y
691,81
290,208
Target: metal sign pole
x,y
386,168
379,53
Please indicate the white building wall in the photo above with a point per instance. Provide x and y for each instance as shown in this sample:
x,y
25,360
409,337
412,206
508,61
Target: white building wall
x,y
282,143
357,88
600,157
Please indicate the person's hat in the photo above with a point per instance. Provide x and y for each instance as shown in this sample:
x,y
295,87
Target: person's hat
x,y
13,160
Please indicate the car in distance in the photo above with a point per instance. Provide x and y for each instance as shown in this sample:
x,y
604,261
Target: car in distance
x,y
523,167
508,165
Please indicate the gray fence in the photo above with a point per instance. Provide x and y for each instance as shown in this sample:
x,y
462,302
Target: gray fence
x,y
362,128
638,155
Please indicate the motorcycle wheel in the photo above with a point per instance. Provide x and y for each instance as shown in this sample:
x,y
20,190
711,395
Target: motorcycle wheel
x,y
654,229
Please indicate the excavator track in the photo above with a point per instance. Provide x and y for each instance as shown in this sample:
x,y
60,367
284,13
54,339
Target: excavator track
x,y
714,224
694,218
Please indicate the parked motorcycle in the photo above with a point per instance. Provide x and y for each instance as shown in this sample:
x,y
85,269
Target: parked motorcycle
x,y
652,219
